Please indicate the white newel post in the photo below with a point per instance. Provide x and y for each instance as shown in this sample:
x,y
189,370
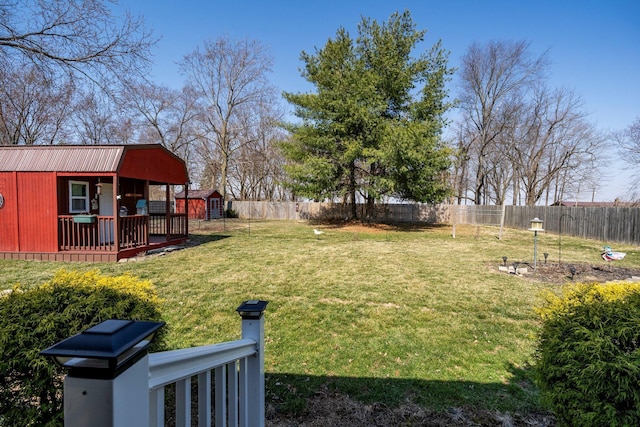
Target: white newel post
x,y
122,401
107,384
253,328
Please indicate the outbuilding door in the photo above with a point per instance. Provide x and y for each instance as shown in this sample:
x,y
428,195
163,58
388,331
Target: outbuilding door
x,y
214,208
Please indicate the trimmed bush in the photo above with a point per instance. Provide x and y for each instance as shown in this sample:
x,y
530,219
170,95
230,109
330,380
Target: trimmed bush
x,y
588,360
230,213
36,318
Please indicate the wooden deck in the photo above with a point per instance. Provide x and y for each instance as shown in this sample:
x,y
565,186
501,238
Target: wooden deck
x,y
95,239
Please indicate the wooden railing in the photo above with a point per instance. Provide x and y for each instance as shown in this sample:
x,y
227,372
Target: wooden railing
x,y
177,225
134,231
97,233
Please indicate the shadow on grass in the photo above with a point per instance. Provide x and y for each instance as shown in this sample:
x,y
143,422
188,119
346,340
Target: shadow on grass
x,y
293,394
381,226
314,401
201,239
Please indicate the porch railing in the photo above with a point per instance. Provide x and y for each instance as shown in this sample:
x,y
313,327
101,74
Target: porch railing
x,y
230,385
134,231
222,368
233,370
97,235
177,225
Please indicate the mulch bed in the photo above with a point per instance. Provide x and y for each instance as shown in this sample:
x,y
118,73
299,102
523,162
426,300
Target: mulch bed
x,y
580,272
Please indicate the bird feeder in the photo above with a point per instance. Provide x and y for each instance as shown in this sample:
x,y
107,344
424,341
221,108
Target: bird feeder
x,y
536,225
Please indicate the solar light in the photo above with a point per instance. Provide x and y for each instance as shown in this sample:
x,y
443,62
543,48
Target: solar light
x,y
252,309
107,384
504,260
105,350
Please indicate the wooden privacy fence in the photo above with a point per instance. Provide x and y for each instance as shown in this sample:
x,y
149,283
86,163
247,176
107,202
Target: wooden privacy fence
x,y
316,211
607,224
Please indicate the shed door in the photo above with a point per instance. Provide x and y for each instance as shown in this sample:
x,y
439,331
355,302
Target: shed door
x,y
214,208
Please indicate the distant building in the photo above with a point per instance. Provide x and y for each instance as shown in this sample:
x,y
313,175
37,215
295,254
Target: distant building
x,y
203,204
578,204
86,202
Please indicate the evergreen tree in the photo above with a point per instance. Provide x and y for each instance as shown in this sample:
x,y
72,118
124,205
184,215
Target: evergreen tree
x,y
373,127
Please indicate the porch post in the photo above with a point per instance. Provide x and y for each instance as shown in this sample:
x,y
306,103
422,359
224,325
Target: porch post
x,y
167,211
186,209
116,213
253,328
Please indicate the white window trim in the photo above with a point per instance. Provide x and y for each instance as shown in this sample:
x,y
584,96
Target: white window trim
x,y
72,197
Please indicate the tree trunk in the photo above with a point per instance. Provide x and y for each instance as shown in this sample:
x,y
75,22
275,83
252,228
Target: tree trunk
x,y
352,191
370,215
223,178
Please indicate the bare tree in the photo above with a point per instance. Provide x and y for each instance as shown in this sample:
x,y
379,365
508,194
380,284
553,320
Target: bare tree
x,y
167,116
257,172
80,37
492,77
98,120
629,142
555,139
230,80
33,108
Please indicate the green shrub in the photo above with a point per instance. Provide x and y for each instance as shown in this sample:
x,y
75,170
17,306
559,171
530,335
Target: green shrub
x,y
588,360
34,319
230,213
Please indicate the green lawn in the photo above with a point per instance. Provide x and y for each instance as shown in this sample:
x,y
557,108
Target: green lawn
x,y
383,315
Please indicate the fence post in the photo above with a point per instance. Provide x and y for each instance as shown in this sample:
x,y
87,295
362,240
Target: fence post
x,y
253,328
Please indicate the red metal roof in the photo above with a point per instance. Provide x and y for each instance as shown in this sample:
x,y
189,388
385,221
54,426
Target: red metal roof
x,y
197,194
58,158
143,161
574,203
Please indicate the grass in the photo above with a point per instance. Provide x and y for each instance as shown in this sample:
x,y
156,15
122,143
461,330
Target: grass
x,y
381,314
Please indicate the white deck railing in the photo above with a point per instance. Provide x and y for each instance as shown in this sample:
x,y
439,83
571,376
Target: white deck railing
x,y
223,364
229,377
132,389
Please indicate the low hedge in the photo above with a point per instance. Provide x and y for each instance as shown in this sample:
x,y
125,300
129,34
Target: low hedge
x,y
32,319
588,359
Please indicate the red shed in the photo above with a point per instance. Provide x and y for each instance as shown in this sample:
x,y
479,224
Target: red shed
x,y
203,204
86,202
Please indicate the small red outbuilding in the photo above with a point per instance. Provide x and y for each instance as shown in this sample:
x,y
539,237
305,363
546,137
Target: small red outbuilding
x,y
203,204
86,202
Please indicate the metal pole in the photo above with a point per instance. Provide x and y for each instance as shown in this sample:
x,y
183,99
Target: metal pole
x,y
535,249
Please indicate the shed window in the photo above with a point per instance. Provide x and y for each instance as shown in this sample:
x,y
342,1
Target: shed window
x,y
78,196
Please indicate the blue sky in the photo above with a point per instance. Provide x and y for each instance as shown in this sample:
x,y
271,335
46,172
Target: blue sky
x,y
594,46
